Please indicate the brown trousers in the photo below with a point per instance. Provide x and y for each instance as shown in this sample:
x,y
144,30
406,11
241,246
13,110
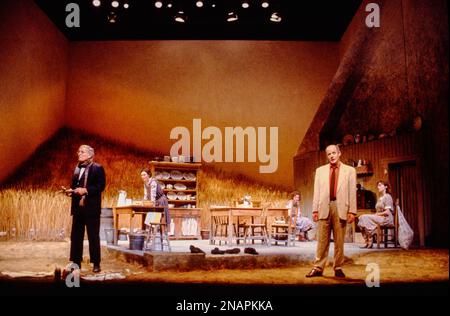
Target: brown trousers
x,y
324,227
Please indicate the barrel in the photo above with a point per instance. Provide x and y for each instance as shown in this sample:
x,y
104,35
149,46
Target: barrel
x,y
136,241
106,224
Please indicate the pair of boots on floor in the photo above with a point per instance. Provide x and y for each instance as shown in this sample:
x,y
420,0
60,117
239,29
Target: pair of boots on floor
x,y
217,251
249,250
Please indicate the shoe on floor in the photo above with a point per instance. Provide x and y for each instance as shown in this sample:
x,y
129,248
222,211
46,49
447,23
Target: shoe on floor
x,y
314,273
96,269
195,249
217,251
250,251
233,251
339,273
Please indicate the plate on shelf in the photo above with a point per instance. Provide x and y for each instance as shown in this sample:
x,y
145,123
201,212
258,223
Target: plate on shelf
x,y
165,175
162,185
180,186
348,140
189,176
169,186
181,196
158,175
171,195
176,175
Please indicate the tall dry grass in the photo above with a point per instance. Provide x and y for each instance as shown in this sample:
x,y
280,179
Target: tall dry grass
x,y
29,201
34,214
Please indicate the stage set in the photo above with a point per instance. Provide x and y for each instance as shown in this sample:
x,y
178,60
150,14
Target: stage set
x,y
216,142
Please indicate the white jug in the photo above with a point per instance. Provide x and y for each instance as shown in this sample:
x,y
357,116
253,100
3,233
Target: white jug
x,y
122,198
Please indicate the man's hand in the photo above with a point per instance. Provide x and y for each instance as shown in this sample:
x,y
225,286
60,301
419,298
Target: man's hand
x,y
315,216
66,191
80,191
350,218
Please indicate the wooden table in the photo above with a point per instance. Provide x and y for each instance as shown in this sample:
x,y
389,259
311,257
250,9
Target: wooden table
x,y
231,212
132,210
273,212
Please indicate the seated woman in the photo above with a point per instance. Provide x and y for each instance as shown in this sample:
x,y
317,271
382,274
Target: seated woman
x,y
154,193
303,224
384,215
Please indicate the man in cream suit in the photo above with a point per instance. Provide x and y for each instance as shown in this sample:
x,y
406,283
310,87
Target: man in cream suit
x,y
334,205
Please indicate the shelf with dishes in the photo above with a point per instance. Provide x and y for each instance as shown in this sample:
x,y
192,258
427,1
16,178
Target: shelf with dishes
x,y
186,191
173,180
175,175
364,170
179,182
181,201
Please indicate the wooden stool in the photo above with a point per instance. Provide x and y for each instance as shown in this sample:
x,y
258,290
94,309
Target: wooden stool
x,y
157,232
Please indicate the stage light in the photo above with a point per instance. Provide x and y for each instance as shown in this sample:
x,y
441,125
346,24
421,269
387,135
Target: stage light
x,y
199,4
275,17
180,17
112,17
126,5
158,4
96,3
265,4
213,5
169,5
245,4
232,17
115,4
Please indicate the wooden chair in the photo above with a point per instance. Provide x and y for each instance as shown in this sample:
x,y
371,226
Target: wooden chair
x,y
383,231
257,229
220,227
285,232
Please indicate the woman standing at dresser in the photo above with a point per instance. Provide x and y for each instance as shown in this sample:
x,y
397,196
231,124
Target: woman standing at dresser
x,y
384,215
154,193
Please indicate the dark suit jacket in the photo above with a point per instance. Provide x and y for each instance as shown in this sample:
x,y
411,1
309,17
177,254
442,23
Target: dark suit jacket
x,y
95,186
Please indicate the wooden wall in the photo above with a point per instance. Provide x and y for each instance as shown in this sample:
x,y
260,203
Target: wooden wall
x,y
380,153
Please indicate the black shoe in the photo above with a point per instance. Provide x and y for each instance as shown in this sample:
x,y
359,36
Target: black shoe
x,y
96,269
217,251
233,251
339,273
314,273
195,249
250,251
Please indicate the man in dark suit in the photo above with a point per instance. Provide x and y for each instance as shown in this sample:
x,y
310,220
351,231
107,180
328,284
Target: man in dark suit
x,y
88,183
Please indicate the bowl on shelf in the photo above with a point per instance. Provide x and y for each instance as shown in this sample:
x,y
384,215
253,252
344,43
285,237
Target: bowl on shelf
x,y
181,196
176,175
189,176
165,175
171,195
180,186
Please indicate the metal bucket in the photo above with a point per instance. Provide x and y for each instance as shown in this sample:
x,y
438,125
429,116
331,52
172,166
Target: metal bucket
x,y
136,241
106,222
109,235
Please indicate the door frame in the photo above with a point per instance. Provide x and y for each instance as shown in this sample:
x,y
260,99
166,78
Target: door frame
x,y
420,187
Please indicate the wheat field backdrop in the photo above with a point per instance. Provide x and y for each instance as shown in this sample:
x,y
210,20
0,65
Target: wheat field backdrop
x,y
32,209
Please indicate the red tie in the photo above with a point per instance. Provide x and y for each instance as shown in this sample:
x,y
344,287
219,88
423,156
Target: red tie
x,y
332,183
